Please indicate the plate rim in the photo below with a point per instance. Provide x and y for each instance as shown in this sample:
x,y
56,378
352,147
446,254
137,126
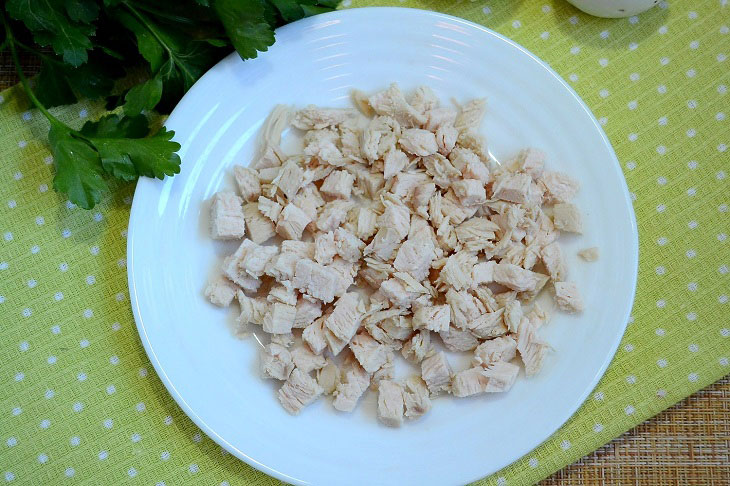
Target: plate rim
x,y
632,240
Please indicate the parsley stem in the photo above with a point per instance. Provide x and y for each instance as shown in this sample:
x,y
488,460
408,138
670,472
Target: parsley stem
x,y
171,54
23,80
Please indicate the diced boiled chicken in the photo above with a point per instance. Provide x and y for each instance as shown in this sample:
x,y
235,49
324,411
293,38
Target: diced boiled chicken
x,y
422,194
488,325
226,216
552,258
434,318
419,142
290,179
436,372
270,209
316,280
464,307
457,212
345,319
418,347
517,278
475,142
279,319
315,335
502,376
589,254
256,258
325,247
532,161
482,273
566,217
471,115
328,377
537,316
458,340
390,403
253,309
568,297
391,102
232,270
248,183
292,222
395,291
446,136
513,187
286,340
513,315
405,184
306,312
470,192
414,257
282,266
469,382
282,292
314,118
438,117
354,382
259,227
416,397
559,187
476,233
366,223
395,161
349,246
458,269
532,350
385,372
338,184
305,360
380,137
275,362
503,348
346,272
369,353
220,292
396,216
384,244
424,99
298,391
333,215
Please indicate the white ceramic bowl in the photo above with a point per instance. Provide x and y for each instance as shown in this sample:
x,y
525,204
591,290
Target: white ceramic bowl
x,y
614,8
212,375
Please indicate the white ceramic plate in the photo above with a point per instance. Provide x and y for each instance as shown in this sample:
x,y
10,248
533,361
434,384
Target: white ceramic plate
x,y
318,60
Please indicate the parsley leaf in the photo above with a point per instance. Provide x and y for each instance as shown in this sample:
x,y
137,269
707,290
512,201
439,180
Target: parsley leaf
x,y
64,26
143,96
60,84
246,25
78,168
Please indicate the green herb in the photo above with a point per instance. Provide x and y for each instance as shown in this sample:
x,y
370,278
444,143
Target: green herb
x,y
93,49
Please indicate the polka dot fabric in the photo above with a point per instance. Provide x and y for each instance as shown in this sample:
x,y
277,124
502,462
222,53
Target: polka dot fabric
x,y
80,403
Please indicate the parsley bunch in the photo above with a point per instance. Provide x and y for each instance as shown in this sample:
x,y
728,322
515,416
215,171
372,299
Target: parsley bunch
x,y
93,49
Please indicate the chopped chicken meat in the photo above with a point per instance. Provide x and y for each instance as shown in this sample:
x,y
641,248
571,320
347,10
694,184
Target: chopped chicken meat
x,y
389,225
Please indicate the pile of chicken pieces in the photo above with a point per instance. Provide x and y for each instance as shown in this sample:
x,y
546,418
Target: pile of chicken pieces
x,y
390,230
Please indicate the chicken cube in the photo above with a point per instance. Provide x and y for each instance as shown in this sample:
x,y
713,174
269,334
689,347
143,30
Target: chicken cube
x,y
282,292
471,114
349,246
298,391
338,184
566,217
282,266
512,187
434,318
416,397
369,353
482,273
458,269
446,136
305,360
384,244
488,325
235,273
259,227
256,258
275,362
315,335
415,257
345,319
366,223
247,180
464,307
424,99
314,118
346,272
517,278
220,292
333,215
391,102
316,280
280,318
394,162
552,258
391,403
355,381
559,187
469,382
226,216
503,348
532,161
394,290
306,312
458,340
292,222
290,179
328,377
470,192
417,347
270,209
253,309
568,297
589,254
532,350
501,375
436,372
419,142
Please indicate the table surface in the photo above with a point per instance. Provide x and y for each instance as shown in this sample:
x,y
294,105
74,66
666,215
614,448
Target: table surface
x,y
686,444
